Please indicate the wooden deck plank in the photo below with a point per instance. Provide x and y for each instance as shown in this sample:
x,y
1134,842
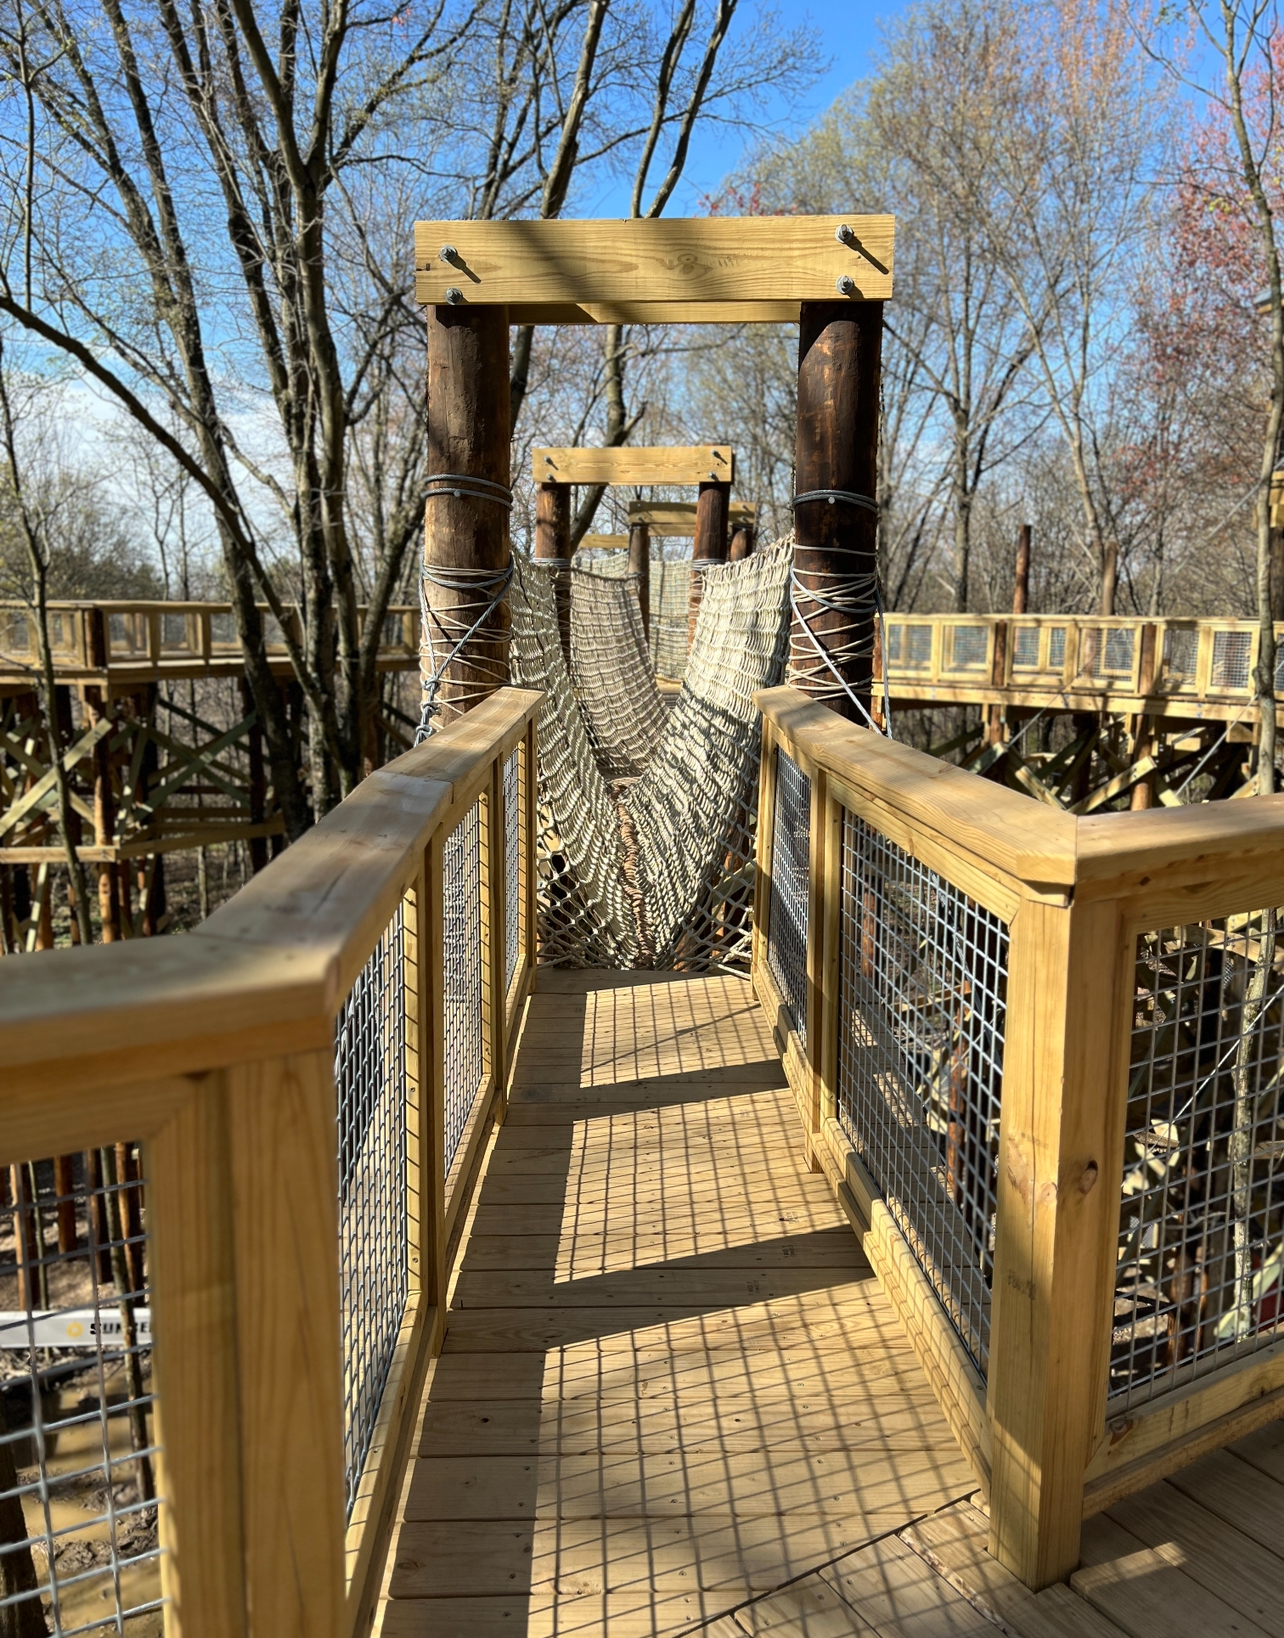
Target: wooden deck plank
x,y
1146,1591
954,1541
670,1382
901,1595
809,1609
1264,1450
902,1417
1238,1492
882,1489
541,1615
1241,1573
593,1253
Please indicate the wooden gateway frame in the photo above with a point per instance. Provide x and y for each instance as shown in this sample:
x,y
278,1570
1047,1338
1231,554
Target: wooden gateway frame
x,y
709,467
829,274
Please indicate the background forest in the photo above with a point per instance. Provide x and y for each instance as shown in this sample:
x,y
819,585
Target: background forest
x,y
212,364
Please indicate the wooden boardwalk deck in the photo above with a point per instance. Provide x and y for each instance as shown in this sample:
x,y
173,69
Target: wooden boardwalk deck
x,y
672,1396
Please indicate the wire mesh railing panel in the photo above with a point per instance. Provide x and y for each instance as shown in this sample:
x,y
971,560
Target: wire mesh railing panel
x,y
790,873
1232,651
79,1551
923,1000
1201,1251
1057,648
1181,656
1025,648
512,866
374,1247
969,647
1120,641
462,968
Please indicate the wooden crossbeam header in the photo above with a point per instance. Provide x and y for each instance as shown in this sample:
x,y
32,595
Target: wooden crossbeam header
x,y
705,270
603,543
699,463
677,518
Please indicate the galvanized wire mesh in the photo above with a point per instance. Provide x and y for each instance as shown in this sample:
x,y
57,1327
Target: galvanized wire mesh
x,y
969,647
1201,1253
374,1247
923,999
909,647
1232,651
1181,655
514,908
462,964
1025,648
78,1508
790,873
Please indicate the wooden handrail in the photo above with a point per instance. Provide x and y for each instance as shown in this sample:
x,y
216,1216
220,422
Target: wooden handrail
x,y
217,1050
1073,895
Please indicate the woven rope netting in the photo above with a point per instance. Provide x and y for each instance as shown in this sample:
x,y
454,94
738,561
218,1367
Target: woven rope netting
x,y
670,600
670,595
659,874
623,711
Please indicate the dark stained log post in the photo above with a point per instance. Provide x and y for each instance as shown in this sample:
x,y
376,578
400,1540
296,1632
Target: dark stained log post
x,y
640,565
713,507
553,549
994,733
17,1568
466,540
257,788
742,542
1021,588
104,797
839,365
65,1189
99,1235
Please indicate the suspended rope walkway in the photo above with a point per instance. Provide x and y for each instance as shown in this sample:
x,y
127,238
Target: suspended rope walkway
x,y
660,875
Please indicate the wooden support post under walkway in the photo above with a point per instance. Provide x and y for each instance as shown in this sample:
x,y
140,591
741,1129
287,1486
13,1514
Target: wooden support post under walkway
x,y
742,541
467,553
839,364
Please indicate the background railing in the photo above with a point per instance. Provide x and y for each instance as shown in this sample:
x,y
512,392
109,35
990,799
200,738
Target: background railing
x,y
166,636
1041,1059
1046,654
305,1085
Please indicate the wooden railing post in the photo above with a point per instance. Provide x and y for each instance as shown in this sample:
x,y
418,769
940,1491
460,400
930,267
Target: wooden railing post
x,y
819,1001
193,1296
1060,1156
530,835
285,1227
424,1133
433,1087
494,931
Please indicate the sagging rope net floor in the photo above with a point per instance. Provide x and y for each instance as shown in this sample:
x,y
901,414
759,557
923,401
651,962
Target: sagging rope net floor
x,y
624,713
662,875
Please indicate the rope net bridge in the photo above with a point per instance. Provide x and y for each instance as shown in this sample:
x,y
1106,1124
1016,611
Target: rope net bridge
x,y
645,823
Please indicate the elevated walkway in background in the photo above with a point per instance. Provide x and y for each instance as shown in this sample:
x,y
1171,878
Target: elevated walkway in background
x,y
673,1397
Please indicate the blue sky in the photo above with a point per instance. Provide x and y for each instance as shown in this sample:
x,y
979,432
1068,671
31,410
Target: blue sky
x,y
848,31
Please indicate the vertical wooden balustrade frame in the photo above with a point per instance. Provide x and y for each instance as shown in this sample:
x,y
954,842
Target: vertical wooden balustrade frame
x,y
1075,893
217,1051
